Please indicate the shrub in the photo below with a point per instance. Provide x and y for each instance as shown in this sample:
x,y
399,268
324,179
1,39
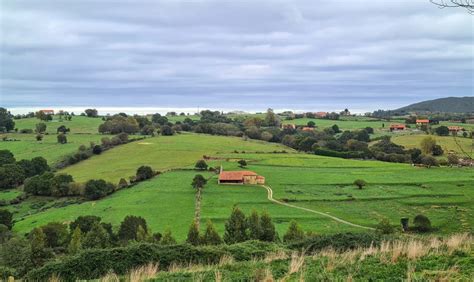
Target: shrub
x,y
11,175
384,227
62,139
422,223
360,183
201,165
39,137
6,218
97,149
294,233
144,172
429,161
242,163
96,189
129,227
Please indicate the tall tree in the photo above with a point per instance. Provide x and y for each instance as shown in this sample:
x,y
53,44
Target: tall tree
x,y
271,119
268,232
211,237
294,233
6,120
255,229
193,234
75,245
97,237
198,183
39,253
236,228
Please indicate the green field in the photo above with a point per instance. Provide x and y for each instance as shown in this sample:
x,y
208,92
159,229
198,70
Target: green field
x,y
445,195
27,147
78,124
162,153
448,143
351,124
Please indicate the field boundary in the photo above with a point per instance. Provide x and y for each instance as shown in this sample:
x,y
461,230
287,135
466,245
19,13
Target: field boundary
x,y
270,198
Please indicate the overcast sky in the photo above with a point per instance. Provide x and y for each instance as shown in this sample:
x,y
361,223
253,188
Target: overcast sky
x,y
247,55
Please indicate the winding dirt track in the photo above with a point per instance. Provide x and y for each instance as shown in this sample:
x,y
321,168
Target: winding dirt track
x,y
270,198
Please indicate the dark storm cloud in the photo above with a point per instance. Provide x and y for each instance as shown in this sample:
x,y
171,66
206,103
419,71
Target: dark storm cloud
x,y
239,54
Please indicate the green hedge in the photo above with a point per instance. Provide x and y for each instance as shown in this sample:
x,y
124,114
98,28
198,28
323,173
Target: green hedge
x,y
340,241
92,264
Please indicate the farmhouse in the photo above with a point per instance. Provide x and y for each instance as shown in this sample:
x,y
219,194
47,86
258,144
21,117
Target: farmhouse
x,y
240,177
455,129
422,121
397,127
48,112
321,114
307,128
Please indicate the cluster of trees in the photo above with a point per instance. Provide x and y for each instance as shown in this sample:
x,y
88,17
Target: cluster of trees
x,y
122,123
13,173
6,120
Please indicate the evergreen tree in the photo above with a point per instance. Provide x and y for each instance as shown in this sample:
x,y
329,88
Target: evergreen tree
x,y
76,241
168,239
97,237
236,227
142,234
198,183
255,229
193,234
39,253
211,237
268,229
129,227
294,233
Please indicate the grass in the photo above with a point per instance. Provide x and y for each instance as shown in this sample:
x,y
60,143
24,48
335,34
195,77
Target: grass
x,y
7,195
162,153
446,142
78,124
27,147
349,124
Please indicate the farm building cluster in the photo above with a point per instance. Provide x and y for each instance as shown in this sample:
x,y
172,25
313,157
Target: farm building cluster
x,y
241,177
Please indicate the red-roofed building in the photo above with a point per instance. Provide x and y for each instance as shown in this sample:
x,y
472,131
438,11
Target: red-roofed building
x,y
455,128
240,177
397,127
48,112
321,114
422,121
307,128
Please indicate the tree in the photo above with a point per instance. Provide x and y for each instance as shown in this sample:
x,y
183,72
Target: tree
x,y
97,149
242,163
453,159
198,183
62,139
442,131
267,227
97,237
271,119
11,176
211,237
360,183
39,137
144,172
41,185
6,157
91,113
422,223
6,120
56,234
16,254
253,222
43,116
236,228
97,188
40,165
40,127
437,150
122,183
75,245
294,233
336,129
311,124
129,227
39,253
201,165
427,145
166,130
168,238
62,129
84,223
466,4
429,161
6,218
193,234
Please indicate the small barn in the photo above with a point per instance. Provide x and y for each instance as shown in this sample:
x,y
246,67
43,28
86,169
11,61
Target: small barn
x,y
455,129
422,121
240,177
48,112
397,127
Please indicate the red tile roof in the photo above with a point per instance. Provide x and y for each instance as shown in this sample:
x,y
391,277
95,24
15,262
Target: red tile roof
x,y
422,121
399,126
235,175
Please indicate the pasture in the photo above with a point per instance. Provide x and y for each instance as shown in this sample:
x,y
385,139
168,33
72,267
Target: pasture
x,y
344,124
162,153
319,183
448,143
78,124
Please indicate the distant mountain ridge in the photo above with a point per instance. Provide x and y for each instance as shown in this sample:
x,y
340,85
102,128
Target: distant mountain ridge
x,y
447,105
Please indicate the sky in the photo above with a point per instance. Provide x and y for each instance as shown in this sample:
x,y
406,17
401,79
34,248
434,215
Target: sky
x,y
232,55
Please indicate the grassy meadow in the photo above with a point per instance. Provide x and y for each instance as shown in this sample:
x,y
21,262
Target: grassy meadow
x,y
448,143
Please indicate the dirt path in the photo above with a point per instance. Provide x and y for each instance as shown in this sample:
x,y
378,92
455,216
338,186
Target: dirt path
x,y
270,198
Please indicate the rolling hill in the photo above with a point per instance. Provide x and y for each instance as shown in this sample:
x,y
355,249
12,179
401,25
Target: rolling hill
x,y
448,105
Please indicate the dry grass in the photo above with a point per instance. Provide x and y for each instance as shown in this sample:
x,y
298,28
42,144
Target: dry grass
x,y
275,256
54,278
217,276
226,260
296,263
143,273
110,277
459,242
